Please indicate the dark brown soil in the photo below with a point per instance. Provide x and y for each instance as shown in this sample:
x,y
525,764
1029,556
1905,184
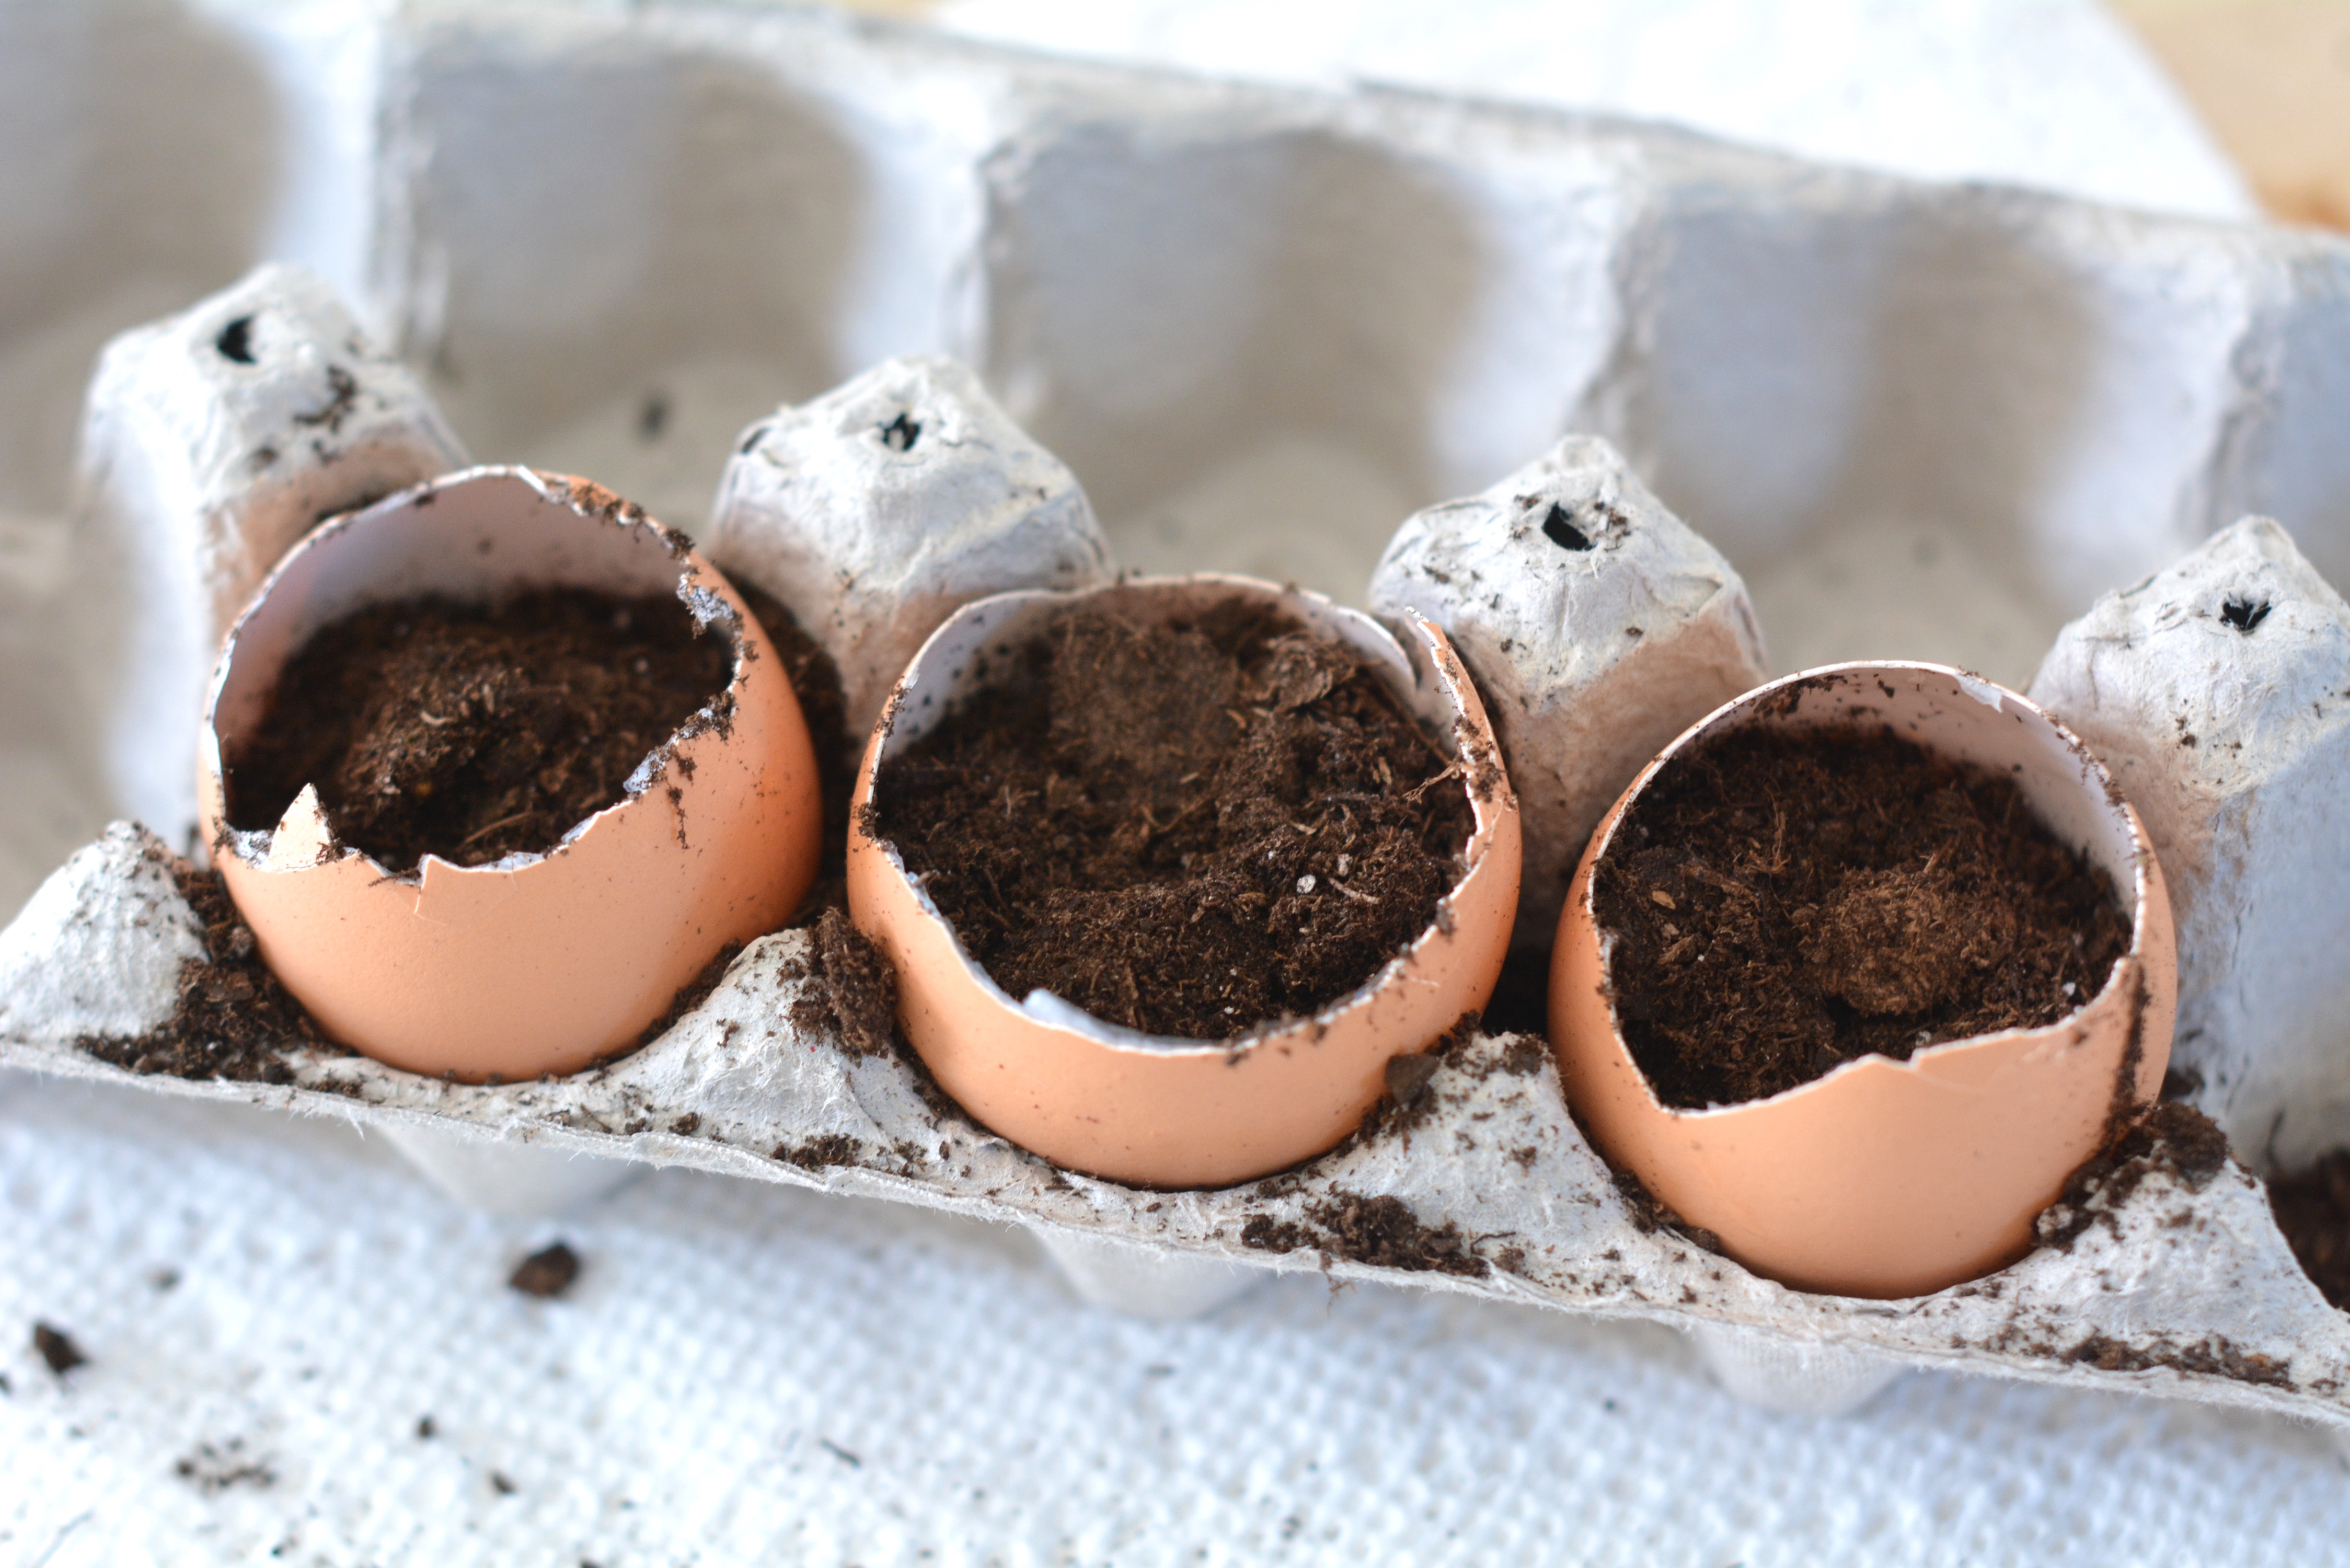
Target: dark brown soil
x,y
475,732
1784,903
853,992
2172,1137
232,1020
1186,830
1381,1231
56,1348
821,1152
547,1272
2312,1209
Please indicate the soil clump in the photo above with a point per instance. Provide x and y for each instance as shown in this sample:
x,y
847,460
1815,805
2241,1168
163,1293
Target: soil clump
x,y
546,1273
853,991
232,1019
1187,829
1784,903
2312,1209
477,731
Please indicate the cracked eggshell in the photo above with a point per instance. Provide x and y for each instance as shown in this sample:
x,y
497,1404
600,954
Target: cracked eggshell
x,y
1152,1109
1892,1178
535,963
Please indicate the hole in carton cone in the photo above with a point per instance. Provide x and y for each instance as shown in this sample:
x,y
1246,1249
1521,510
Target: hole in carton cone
x,y
236,340
1560,530
652,417
2244,613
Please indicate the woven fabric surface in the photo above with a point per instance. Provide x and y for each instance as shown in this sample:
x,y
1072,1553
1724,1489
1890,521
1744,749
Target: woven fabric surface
x,y
272,1310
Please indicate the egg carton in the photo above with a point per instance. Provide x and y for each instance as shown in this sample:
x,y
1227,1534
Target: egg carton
x,y
1923,421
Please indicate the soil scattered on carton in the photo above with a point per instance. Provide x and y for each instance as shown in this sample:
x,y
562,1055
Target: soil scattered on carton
x,y
852,991
232,1019
476,730
2172,1137
1381,1231
1187,829
2312,1209
1785,902
547,1272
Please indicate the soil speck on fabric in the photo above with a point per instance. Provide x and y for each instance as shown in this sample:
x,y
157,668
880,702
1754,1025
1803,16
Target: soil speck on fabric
x,y
1784,903
215,1468
473,732
56,1348
547,1272
1188,829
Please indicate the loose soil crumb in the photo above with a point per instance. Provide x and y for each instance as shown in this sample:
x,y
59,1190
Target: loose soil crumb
x,y
547,1272
1784,903
231,1020
1187,830
2312,1209
852,991
214,1468
475,732
820,1152
1382,1232
56,1348
2210,1357
2171,1137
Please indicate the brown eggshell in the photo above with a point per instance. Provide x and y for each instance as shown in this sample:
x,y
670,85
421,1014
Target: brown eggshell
x,y
537,963
1156,1110
1892,1178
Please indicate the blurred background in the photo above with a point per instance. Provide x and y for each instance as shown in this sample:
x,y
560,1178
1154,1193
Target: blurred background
x,y
2219,107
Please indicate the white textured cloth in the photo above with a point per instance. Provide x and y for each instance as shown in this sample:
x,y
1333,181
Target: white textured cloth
x,y
2057,95
748,1373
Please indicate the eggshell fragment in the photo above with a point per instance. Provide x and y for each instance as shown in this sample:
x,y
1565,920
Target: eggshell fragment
x,y
535,963
1892,1178
1153,1109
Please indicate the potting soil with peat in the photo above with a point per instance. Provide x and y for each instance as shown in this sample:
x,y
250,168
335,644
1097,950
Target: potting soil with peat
x,y
1186,830
475,732
1784,903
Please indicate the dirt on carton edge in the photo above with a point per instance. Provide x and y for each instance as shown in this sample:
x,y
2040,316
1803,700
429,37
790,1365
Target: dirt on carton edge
x,y
232,1019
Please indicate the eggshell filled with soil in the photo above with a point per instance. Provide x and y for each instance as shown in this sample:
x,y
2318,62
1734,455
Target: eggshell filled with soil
x,y
544,959
1887,1177
1170,1110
